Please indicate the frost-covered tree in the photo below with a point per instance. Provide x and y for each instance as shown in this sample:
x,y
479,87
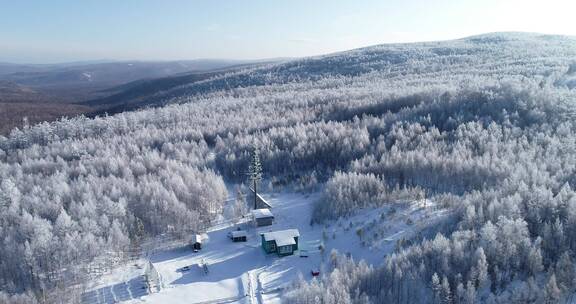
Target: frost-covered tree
x,y
481,268
552,293
565,273
436,288
255,173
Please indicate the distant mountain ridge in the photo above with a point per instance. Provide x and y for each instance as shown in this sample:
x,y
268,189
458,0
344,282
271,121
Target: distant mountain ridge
x,y
114,87
385,57
104,74
148,92
62,85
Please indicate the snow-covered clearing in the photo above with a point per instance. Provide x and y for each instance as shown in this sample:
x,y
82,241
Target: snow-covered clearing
x,y
242,273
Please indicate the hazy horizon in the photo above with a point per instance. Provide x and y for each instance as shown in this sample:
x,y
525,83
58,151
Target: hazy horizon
x,y
67,31
240,60
152,60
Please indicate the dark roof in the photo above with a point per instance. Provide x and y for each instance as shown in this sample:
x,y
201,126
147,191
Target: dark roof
x,y
262,203
239,233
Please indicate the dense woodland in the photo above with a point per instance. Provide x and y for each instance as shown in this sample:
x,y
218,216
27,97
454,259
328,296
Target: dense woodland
x,y
486,124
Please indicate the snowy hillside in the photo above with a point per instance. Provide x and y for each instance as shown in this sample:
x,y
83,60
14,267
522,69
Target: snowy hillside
x,y
483,127
505,54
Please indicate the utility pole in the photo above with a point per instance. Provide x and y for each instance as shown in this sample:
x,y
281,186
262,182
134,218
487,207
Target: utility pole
x,y
255,173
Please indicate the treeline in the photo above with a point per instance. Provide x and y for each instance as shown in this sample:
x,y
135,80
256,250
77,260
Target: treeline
x,y
346,193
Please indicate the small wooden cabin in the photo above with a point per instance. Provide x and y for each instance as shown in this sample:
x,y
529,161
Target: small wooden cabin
x,y
196,242
262,217
283,242
238,236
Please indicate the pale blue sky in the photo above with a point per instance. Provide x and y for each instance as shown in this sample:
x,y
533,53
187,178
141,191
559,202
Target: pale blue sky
x,y
68,30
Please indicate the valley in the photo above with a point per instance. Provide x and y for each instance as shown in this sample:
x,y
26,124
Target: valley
x,y
41,93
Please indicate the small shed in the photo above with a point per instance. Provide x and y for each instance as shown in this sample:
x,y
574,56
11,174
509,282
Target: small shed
x,y
196,242
262,217
283,242
238,236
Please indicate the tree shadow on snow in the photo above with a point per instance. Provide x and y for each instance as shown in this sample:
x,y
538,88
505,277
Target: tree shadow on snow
x,y
227,265
133,289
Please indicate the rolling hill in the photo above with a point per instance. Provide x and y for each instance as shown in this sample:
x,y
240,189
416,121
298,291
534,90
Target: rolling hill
x,y
483,128
51,91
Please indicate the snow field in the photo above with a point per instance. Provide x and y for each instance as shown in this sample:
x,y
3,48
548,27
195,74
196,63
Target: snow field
x,y
242,273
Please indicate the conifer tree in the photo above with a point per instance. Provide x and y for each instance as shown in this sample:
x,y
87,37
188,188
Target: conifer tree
x,y
565,273
255,173
551,291
445,292
436,288
481,267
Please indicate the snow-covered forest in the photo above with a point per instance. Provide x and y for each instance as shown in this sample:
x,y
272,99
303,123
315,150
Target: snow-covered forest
x,y
484,124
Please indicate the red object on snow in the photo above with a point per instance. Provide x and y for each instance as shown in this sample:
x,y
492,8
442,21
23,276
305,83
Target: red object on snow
x,y
315,273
